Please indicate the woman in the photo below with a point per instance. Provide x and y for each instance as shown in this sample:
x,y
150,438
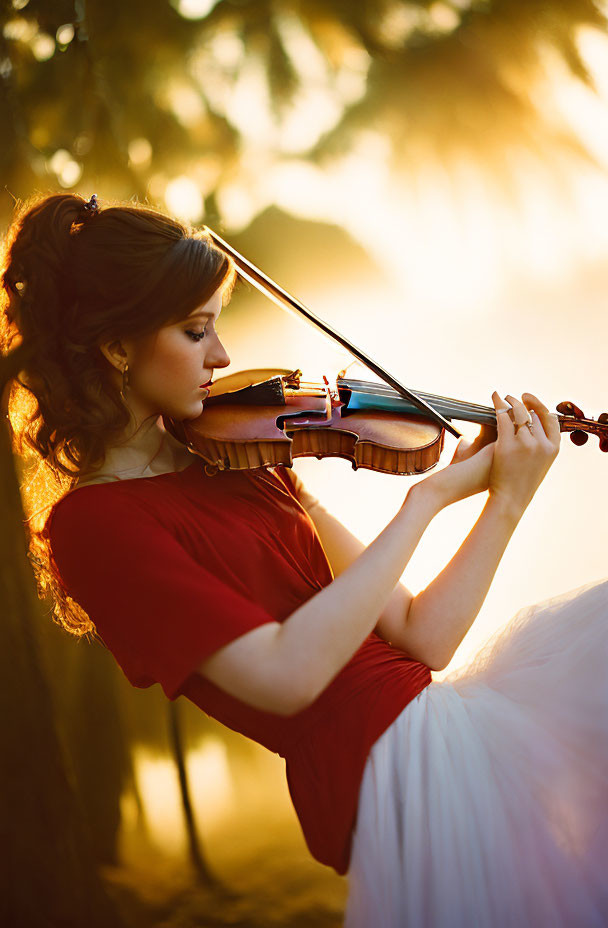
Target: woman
x,y
478,800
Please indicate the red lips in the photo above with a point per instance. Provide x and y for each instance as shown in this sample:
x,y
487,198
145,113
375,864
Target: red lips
x,y
208,384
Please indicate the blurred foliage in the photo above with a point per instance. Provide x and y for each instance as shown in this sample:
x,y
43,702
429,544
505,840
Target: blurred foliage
x,y
126,96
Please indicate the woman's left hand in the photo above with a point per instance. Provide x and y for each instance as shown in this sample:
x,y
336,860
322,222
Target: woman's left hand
x,y
468,447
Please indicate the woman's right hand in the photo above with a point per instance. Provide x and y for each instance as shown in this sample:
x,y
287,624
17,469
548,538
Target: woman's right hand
x,y
467,473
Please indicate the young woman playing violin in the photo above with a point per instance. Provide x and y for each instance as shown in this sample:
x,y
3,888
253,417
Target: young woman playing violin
x,y
479,800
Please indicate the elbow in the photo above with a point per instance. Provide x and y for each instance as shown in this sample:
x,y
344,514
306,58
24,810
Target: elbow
x,y
297,699
438,662
436,666
293,700
421,643
292,705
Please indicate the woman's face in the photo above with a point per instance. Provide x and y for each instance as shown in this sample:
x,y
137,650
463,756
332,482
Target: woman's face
x,y
167,367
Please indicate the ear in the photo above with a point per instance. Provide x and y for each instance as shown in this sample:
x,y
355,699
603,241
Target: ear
x,y
115,353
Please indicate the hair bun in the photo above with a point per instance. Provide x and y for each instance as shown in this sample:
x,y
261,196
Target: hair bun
x,y
42,237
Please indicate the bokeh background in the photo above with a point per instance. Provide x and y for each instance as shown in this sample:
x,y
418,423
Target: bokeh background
x,y
428,177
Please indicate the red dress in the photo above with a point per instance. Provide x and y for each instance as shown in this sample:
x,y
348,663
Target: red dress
x,y
170,568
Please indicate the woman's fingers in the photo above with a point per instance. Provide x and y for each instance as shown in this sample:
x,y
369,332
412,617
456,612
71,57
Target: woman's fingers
x,y
504,423
487,434
523,454
545,425
549,420
520,412
510,420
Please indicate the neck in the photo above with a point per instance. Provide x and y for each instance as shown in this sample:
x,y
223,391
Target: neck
x,y
143,443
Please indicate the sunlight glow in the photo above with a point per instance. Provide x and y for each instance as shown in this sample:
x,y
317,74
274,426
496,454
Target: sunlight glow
x,y
186,103
65,34
70,174
140,152
159,787
238,204
68,170
313,113
211,781
457,223
183,198
443,18
248,105
211,785
304,54
194,9
43,46
397,23
236,85
19,29
214,64
227,49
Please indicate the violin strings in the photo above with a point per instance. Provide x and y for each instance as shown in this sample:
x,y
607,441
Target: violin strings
x,y
367,387
449,406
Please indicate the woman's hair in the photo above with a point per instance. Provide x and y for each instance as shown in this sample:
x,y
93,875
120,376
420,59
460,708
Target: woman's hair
x,y
73,278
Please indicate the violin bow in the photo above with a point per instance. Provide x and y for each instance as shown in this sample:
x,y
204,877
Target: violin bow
x,y
282,298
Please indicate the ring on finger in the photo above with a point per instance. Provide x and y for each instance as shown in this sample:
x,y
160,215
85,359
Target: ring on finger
x,y
528,425
519,425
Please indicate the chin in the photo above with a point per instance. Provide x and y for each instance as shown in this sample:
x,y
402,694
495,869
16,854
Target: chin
x,y
185,413
196,412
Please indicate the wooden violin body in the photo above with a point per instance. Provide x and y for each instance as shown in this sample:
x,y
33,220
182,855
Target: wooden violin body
x,y
265,417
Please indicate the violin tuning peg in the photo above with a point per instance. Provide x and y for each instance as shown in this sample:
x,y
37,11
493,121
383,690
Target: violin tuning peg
x,y
578,437
603,417
604,443
570,409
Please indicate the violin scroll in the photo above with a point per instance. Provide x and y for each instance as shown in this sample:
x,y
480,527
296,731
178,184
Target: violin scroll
x,y
580,427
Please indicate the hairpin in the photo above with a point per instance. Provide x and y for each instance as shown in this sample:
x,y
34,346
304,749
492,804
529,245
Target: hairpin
x,y
92,206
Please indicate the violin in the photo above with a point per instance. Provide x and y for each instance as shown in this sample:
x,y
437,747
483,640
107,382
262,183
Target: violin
x,y
264,417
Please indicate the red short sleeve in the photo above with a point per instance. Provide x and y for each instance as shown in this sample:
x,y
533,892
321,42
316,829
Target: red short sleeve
x,y
304,496
156,607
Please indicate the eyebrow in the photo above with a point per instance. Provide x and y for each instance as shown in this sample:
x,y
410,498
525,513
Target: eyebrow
x,y
199,312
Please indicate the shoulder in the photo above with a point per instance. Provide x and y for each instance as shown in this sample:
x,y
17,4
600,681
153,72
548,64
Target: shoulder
x,y
89,512
298,488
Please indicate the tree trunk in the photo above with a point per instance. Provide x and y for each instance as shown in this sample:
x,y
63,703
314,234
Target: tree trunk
x,y
50,876
199,863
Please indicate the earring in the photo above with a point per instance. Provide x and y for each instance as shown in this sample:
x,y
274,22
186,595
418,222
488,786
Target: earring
x,y
125,380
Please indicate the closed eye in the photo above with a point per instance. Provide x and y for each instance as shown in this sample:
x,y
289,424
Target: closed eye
x,y
195,336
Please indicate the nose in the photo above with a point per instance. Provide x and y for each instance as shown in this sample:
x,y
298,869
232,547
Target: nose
x,y
219,357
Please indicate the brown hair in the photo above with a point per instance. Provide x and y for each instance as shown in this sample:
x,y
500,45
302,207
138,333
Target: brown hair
x,y
71,279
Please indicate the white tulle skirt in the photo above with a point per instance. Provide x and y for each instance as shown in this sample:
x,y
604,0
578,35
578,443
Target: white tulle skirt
x,y
485,803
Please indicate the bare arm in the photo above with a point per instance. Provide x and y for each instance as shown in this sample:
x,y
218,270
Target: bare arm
x,y
283,667
430,626
342,548
442,613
